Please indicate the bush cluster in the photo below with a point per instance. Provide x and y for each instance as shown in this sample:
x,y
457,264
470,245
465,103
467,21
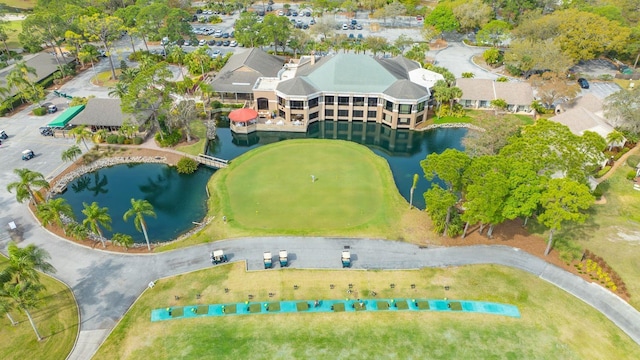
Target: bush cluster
x,y
40,111
187,166
603,171
137,140
599,271
633,161
620,153
112,139
170,139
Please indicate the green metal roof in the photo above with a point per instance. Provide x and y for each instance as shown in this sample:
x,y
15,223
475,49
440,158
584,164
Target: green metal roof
x,y
66,116
351,73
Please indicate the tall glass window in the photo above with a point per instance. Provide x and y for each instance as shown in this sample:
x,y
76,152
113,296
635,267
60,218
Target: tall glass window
x,y
405,109
388,105
343,100
328,100
372,101
358,101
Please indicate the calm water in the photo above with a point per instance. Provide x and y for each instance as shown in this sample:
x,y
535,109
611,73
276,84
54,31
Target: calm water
x,y
161,185
403,149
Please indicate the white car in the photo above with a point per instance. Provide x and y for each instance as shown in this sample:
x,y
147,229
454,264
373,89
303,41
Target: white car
x,y
345,27
233,43
202,42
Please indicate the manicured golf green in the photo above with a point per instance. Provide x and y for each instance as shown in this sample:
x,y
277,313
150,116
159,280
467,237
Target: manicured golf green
x,y
56,319
554,324
307,186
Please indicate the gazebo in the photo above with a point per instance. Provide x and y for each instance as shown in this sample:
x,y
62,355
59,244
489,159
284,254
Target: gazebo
x,y
242,119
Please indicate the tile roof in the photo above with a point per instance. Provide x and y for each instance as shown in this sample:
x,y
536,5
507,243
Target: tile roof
x,y
514,93
296,86
406,90
242,71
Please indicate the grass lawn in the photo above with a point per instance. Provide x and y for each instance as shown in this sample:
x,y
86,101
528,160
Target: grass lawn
x,y
56,320
554,324
613,231
104,79
21,4
199,130
269,192
14,28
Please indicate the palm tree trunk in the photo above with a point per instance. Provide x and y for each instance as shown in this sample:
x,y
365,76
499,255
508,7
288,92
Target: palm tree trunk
x,y
33,325
144,231
549,243
411,198
13,322
100,236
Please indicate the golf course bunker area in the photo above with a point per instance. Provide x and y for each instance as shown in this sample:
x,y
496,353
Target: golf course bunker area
x,y
306,185
324,306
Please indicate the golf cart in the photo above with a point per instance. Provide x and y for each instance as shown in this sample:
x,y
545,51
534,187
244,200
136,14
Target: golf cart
x,y
346,258
3,135
218,257
267,258
51,109
284,260
28,155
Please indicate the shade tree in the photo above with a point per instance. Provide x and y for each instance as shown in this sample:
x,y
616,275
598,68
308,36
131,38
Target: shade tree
x,y
563,201
623,109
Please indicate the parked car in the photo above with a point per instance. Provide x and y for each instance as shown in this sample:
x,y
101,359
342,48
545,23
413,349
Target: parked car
x,y
351,36
211,42
202,42
358,27
51,109
225,35
3,135
360,36
312,22
353,21
187,43
226,43
583,83
233,43
219,43
294,13
46,131
345,27
28,155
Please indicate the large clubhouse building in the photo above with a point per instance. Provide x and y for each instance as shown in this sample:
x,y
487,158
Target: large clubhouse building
x,y
341,87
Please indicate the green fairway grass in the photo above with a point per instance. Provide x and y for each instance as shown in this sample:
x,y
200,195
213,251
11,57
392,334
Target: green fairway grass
x,y
554,324
56,319
269,191
272,188
20,4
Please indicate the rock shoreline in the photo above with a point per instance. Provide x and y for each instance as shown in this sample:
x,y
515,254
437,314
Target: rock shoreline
x,y
453,125
62,183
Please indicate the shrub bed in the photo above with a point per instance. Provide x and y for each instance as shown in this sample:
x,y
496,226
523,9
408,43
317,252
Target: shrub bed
x,y
599,271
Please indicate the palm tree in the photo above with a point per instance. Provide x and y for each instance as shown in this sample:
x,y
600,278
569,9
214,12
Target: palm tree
x,y
615,137
71,154
52,211
123,240
25,296
140,208
82,133
6,305
96,216
119,90
177,55
28,179
24,263
77,231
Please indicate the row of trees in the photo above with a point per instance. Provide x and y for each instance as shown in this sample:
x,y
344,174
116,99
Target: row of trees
x,y
541,170
54,211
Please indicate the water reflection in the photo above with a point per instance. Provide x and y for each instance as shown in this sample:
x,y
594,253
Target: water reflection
x,y
178,199
403,149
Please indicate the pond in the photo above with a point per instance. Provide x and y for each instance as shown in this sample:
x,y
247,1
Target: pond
x,y
161,185
403,149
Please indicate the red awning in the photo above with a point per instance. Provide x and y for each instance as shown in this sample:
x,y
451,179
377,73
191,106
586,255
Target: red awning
x,y
243,115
